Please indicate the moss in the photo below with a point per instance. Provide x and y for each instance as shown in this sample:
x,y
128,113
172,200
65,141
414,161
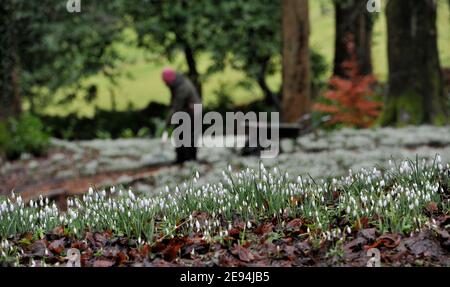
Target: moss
x,y
403,109
440,120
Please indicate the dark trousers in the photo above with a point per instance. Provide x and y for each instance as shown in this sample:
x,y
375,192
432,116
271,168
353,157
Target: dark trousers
x,y
186,154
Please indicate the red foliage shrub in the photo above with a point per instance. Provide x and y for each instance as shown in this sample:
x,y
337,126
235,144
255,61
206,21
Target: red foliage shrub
x,y
349,100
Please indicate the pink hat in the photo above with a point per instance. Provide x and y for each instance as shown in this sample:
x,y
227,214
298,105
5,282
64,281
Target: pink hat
x,y
169,75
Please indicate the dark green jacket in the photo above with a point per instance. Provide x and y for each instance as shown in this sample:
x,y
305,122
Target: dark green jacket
x,y
184,96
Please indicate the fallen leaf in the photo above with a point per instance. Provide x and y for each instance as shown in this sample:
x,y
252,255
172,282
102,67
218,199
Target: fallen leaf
x,y
387,240
432,207
173,248
355,245
362,223
103,263
79,245
101,238
234,233
38,248
263,229
289,252
368,233
57,246
58,230
243,253
390,240
145,250
121,258
294,223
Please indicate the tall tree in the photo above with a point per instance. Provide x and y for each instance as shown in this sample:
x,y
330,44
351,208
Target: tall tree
x,y
353,18
44,47
250,41
415,94
10,104
296,100
169,27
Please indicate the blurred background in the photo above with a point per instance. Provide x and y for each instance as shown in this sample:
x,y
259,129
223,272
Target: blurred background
x,y
82,102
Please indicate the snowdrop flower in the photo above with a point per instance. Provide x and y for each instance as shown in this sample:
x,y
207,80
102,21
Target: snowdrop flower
x,y
197,225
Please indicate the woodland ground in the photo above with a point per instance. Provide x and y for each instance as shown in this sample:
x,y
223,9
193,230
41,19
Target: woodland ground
x,y
252,218
234,216
144,164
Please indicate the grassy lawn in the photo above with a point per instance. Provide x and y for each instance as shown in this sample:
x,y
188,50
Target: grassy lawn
x,y
143,84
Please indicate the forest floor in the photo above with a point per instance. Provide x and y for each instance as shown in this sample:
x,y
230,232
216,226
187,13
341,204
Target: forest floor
x,y
273,243
144,165
199,232
256,217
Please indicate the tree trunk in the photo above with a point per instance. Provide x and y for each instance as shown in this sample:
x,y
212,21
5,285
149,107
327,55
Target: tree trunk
x,y
193,73
416,94
271,99
10,103
189,55
296,100
353,18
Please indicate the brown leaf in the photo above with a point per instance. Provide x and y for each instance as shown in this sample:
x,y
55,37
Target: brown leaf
x,y
289,252
304,247
121,258
171,252
263,229
79,245
387,240
85,256
294,223
432,207
58,230
226,260
173,248
145,250
101,238
134,254
362,223
103,263
390,240
243,253
38,248
355,245
234,233
158,263
368,233
57,246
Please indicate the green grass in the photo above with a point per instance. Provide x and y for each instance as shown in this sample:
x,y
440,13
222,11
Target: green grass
x,y
145,85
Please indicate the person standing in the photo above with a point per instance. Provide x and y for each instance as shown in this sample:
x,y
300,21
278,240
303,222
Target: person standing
x,y
184,96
